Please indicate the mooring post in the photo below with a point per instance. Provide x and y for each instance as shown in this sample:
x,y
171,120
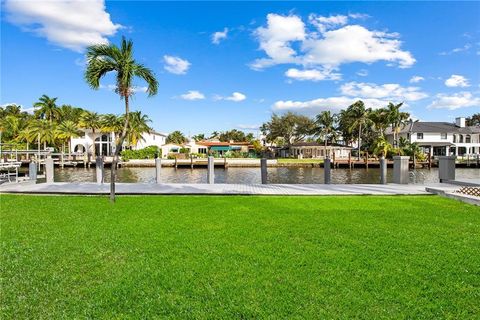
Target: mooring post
x,y
210,171
99,169
327,170
400,169
383,170
49,169
263,169
158,169
32,171
446,168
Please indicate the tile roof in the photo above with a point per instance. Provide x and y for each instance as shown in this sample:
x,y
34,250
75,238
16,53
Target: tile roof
x,y
441,127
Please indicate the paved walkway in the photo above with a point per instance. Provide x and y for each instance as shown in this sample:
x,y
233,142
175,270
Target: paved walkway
x,y
220,189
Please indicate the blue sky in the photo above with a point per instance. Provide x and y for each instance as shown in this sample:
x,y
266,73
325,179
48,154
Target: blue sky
x,y
225,65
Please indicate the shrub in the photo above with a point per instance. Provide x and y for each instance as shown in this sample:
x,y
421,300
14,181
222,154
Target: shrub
x,y
145,153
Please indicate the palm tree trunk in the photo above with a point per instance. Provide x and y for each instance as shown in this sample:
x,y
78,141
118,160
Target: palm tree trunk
x,y
113,168
359,140
325,146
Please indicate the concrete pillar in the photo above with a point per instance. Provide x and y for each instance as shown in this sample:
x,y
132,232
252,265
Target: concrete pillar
x,y
383,170
210,171
99,169
263,168
446,168
49,169
327,170
400,169
158,170
32,171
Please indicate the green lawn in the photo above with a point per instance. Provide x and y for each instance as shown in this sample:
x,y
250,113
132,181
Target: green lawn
x,y
291,160
224,257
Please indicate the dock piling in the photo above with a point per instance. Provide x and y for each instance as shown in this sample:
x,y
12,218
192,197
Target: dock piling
x,y
263,168
446,168
400,169
32,171
158,170
327,170
49,169
210,171
383,170
99,170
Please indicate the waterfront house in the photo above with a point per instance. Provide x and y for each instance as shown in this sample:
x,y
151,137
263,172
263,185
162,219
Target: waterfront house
x,y
105,142
316,150
441,138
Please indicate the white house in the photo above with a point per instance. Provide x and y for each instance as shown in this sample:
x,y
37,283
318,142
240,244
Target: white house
x,y
105,144
442,138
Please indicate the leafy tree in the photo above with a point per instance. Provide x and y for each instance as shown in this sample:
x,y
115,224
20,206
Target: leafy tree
x,y
381,147
199,137
105,58
70,113
214,135
397,119
111,123
473,120
290,126
176,137
137,126
46,108
360,120
232,135
325,127
67,130
44,131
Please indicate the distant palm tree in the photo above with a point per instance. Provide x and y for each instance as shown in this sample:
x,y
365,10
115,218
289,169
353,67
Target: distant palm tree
x,y
66,131
68,112
112,123
105,58
26,135
137,125
46,108
325,127
397,119
380,119
43,130
381,146
92,121
360,117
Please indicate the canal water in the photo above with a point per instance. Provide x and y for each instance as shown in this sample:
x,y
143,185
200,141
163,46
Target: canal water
x,y
287,175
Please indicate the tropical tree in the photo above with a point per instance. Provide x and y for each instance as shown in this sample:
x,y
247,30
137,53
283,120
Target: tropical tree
x,y
199,137
67,130
381,146
234,135
380,120
473,120
397,119
176,137
68,112
214,135
325,127
360,120
46,108
44,131
290,126
111,123
105,58
90,120
137,125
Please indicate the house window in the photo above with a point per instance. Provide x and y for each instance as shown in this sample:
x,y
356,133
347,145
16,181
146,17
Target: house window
x,y
443,136
468,139
202,150
420,135
461,139
454,138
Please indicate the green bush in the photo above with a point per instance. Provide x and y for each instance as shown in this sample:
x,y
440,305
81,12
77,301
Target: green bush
x,y
145,153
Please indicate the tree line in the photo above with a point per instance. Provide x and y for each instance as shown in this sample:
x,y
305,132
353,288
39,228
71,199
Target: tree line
x,y
177,137
52,125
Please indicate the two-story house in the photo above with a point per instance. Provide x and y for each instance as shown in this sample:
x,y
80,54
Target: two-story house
x,y
441,138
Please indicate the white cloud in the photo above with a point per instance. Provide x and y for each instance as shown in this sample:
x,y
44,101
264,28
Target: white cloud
x,y
248,126
219,36
389,91
70,24
362,73
455,101
235,97
322,104
416,79
457,81
176,65
193,95
466,47
287,40
312,74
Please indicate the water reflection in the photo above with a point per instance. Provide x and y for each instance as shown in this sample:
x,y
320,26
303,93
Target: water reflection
x,y
252,175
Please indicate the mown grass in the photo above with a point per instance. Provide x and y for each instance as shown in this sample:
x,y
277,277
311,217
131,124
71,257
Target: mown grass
x,y
224,257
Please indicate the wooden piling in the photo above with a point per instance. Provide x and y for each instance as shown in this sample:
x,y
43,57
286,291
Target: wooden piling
x,y
366,160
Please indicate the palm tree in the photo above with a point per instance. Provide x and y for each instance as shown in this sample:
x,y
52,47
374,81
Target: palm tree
x,y
138,124
397,119
380,119
325,127
105,58
46,108
381,146
43,130
92,121
112,123
66,131
361,119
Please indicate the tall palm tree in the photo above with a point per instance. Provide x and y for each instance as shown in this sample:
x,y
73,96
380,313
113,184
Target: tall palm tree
x,y
137,125
46,108
92,121
112,123
380,119
325,126
361,119
105,58
397,119
66,131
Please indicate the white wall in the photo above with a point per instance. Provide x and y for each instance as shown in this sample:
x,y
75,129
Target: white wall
x,y
151,139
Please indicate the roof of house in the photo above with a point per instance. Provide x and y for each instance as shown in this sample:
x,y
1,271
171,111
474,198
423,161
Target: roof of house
x,y
214,143
316,144
440,127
